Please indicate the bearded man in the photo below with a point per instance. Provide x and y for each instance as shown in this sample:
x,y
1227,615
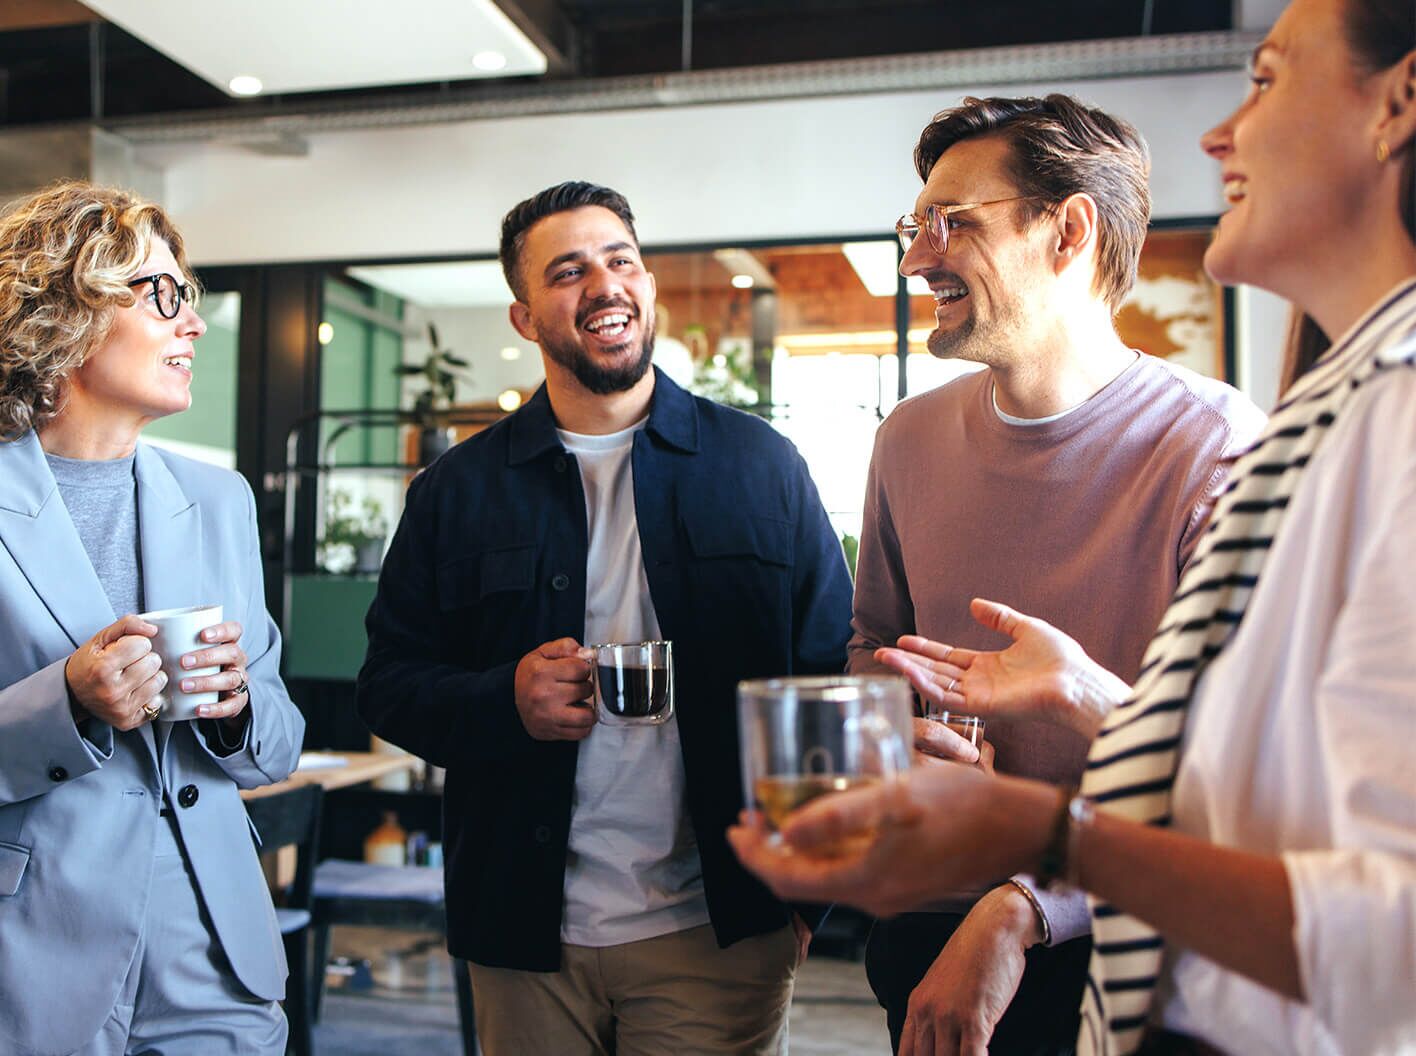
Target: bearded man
x,y
589,882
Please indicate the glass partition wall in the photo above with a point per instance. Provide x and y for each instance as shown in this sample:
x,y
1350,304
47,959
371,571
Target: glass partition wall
x,y
809,335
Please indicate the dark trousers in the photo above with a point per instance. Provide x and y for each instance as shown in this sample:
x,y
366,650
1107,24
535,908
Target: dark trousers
x,y
1043,1018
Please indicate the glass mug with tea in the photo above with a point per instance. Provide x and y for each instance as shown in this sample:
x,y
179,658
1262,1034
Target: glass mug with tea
x,y
634,683
807,737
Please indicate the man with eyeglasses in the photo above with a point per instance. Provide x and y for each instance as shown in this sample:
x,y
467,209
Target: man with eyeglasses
x,y
1069,479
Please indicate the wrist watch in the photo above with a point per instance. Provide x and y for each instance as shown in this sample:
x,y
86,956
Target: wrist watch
x,y
1061,859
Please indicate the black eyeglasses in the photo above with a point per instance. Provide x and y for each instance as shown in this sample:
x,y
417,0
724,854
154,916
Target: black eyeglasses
x,y
935,222
168,294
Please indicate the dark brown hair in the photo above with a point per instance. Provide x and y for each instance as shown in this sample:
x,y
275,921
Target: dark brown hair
x,y
573,194
1061,147
1379,34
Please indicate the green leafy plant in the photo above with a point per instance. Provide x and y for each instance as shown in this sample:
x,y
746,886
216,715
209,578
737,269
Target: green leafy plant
x,y
727,376
850,546
349,529
440,371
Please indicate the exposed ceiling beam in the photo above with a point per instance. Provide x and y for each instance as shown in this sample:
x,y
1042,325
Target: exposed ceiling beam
x,y
1130,57
546,26
43,14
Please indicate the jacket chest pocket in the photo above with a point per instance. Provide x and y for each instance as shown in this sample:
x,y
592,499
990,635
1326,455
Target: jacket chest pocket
x,y
743,538
488,601
739,577
469,581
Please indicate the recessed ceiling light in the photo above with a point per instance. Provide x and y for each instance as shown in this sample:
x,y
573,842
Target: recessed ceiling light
x,y
509,400
489,61
326,333
245,85
510,353
743,282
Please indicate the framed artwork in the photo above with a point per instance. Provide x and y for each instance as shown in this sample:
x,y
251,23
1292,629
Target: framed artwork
x,y
1176,311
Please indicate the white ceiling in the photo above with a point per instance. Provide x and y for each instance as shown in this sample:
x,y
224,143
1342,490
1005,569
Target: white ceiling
x,y
316,45
461,284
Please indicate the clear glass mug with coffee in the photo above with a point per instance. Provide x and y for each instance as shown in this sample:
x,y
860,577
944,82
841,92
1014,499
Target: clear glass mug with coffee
x,y
634,683
807,737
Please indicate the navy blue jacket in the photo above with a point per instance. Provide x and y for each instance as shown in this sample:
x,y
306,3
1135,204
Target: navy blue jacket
x,y
747,580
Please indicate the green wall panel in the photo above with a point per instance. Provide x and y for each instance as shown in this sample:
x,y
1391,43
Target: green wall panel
x,y
326,637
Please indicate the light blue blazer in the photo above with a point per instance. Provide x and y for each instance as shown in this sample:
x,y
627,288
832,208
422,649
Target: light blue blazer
x,y
79,813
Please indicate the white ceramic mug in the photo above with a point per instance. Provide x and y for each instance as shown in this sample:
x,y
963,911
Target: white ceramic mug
x,y
178,633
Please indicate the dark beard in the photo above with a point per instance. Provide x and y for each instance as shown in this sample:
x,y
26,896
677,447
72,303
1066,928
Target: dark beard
x,y
953,345
602,381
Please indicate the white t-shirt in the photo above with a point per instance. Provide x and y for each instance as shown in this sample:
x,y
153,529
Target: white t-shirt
x,y
632,871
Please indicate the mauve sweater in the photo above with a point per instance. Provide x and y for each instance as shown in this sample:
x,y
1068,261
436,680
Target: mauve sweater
x,y
1084,521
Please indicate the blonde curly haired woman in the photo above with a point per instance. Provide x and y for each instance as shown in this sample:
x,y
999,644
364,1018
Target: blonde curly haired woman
x,y
134,917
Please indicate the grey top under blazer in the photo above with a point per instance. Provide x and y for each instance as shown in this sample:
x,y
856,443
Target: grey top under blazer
x,y
79,813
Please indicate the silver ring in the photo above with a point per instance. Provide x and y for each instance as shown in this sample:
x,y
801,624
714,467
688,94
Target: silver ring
x,y
242,688
152,710
952,683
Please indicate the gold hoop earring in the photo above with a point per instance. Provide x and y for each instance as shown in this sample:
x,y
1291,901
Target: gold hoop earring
x,y
1383,152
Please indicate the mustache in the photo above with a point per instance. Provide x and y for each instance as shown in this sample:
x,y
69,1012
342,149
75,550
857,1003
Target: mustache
x,y
940,276
600,305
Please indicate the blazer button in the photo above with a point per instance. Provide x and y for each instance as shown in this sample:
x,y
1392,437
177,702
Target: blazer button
x,y
187,795
542,834
560,581
58,773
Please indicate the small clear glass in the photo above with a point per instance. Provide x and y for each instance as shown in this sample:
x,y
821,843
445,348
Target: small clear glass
x,y
806,737
969,727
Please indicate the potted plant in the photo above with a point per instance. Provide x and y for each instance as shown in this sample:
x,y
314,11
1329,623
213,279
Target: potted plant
x,y
440,372
353,538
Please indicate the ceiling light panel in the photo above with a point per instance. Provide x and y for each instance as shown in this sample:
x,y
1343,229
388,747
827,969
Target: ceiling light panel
x,y
318,45
456,284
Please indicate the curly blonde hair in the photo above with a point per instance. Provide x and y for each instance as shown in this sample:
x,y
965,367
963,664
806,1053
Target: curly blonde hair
x,y
66,255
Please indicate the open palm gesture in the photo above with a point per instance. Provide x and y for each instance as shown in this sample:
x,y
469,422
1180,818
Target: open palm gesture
x,y
1043,675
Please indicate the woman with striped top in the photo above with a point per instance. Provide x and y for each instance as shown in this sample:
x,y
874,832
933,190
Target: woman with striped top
x,y
1247,824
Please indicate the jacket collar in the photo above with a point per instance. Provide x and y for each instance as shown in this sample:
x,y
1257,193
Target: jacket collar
x,y
36,528
673,418
41,537
169,532
30,483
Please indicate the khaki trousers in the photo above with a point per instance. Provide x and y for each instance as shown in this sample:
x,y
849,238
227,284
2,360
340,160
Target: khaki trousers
x,y
676,994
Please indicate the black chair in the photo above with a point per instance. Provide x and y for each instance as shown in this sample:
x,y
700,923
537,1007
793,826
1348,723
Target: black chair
x,y
281,820
389,896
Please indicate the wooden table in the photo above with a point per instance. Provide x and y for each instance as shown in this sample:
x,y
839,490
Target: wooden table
x,y
279,865
358,768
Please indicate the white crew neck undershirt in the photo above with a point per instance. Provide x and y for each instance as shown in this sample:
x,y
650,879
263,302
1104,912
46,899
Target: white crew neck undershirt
x,y
632,868
1012,419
